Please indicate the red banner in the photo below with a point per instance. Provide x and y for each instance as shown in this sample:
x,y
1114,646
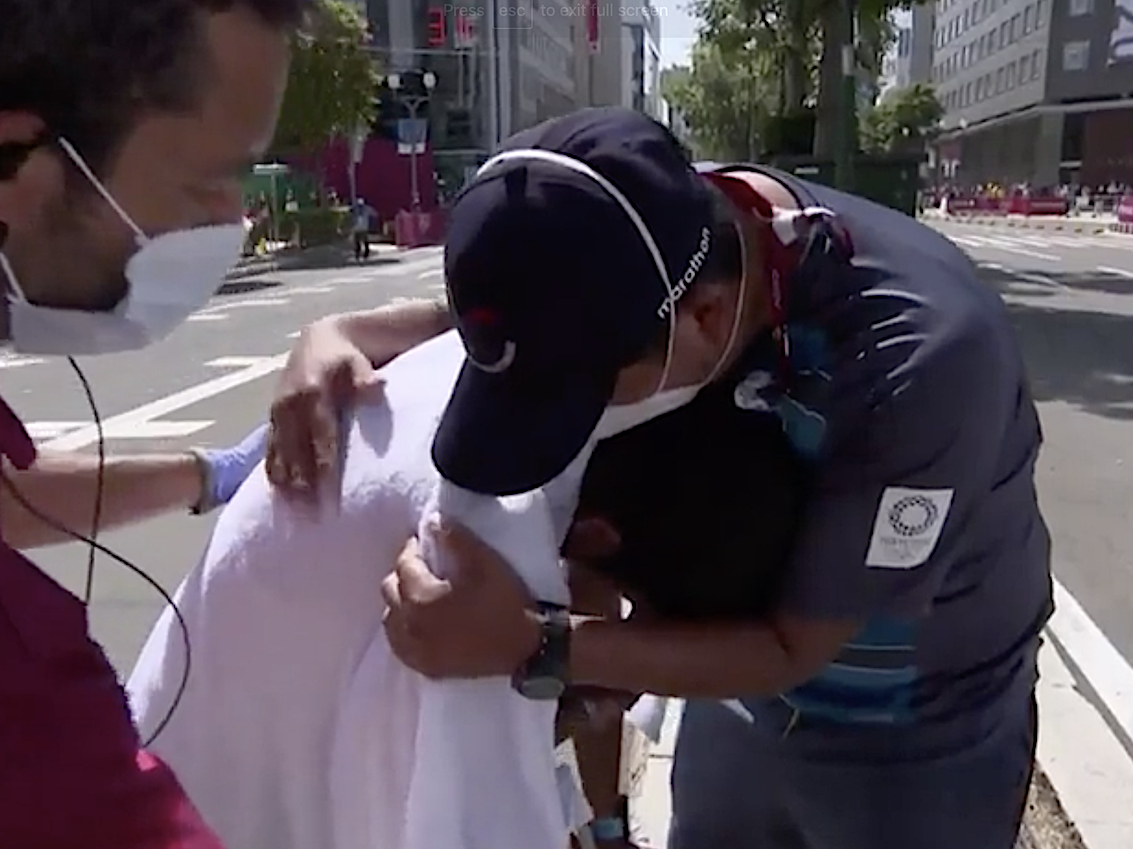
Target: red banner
x,y
1125,210
592,23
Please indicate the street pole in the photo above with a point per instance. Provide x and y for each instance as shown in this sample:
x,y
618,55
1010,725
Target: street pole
x,y
413,103
848,135
493,134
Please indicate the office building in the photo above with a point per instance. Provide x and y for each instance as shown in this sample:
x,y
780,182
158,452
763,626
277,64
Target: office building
x,y
1035,91
626,57
909,58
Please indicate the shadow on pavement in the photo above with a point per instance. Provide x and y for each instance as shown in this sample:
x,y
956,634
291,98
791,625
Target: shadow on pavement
x,y
330,257
1082,357
246,285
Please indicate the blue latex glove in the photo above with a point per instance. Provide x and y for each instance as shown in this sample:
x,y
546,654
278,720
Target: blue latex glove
x,y
224,469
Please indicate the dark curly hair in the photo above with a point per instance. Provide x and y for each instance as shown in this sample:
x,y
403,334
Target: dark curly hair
x,y
88,67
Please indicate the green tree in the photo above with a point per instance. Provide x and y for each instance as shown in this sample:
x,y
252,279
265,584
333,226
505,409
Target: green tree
x,y
330,90
904,120
724,102
794,47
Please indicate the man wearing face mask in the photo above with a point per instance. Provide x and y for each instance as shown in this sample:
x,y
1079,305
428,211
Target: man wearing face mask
x,y
125,129
888,699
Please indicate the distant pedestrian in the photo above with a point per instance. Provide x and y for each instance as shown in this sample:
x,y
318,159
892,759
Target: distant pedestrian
x,y
363,216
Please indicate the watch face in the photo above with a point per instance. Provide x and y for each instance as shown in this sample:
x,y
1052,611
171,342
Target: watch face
x,y
541,688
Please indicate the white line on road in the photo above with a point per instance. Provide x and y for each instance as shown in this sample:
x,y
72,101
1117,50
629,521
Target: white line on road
x,y
258,302
1001,245
311,290
207,316
140,430
237,362
433,272
1041,279
1120,272
146,413
16,361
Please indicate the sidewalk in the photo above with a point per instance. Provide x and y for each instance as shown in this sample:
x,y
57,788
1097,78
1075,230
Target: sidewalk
x,y
286,258
1046,825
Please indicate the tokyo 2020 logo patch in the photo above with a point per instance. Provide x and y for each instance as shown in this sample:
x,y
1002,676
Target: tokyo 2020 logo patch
x,y
913,515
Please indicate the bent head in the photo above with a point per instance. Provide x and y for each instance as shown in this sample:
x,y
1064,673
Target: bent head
x,y
591,271
122,121
705,325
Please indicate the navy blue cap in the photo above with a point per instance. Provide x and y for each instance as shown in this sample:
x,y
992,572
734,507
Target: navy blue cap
x,y
555,288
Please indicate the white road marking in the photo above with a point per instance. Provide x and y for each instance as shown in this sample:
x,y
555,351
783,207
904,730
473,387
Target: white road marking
x,y
1041,279
1080,752
311,290
237,362
433,272
16,361
147,413
1120,272
258,302
139,430
207,316
1004,245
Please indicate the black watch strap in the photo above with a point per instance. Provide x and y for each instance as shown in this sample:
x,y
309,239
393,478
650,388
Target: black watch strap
x,y
544,675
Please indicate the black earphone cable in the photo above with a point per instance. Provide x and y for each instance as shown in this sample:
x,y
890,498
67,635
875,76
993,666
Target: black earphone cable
x,y
95,547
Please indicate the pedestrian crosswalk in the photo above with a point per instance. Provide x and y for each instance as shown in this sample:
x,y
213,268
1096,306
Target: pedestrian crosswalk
x,y
1041,246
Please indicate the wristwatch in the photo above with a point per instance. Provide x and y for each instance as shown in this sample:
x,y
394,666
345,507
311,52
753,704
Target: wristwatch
x,y
205,503
543,676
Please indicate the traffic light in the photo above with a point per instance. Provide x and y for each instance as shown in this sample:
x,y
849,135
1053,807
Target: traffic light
x,y
388,109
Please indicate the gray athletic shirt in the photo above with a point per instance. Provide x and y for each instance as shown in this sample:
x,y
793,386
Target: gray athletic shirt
x,y
907,392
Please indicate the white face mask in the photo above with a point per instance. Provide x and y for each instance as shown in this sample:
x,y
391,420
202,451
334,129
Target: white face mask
x,y
621,417
168,278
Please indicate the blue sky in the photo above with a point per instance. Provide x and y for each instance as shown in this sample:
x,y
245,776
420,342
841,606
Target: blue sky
x,y
678,31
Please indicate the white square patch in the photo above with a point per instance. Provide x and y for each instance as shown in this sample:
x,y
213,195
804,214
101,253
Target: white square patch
x,y
907,527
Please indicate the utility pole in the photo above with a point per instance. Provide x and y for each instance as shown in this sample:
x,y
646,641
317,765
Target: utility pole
x,y
847,147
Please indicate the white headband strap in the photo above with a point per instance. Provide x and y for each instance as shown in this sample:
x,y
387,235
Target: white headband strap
x,y
614,192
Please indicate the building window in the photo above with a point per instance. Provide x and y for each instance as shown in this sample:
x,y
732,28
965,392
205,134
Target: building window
x,y
1014,29
1024,70
1078,8
1075,55
1003,34
1028,20
1036,69
1011,76
999,79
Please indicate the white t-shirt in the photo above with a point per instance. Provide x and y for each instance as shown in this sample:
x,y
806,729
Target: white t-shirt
x,y
298,729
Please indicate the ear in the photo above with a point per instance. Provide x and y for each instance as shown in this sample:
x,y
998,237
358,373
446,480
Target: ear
x,y
713,308
20,134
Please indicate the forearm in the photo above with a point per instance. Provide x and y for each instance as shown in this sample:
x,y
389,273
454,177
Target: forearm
x,y
598,742
64,487
685,660
386,332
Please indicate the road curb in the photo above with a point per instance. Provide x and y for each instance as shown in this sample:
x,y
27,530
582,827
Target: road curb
x,y
292,259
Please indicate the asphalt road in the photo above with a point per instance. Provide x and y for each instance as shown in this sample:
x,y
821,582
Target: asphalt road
x,y
208,384
1072,300
1071,296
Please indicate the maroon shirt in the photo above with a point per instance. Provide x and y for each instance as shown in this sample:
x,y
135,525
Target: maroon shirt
x,y
73,774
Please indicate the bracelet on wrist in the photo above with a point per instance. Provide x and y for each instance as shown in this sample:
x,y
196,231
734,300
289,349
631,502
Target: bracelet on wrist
x,y
204,502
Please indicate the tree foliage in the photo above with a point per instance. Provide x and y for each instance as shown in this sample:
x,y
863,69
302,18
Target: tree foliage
x,y
725,102
330,89
903,120
777,57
